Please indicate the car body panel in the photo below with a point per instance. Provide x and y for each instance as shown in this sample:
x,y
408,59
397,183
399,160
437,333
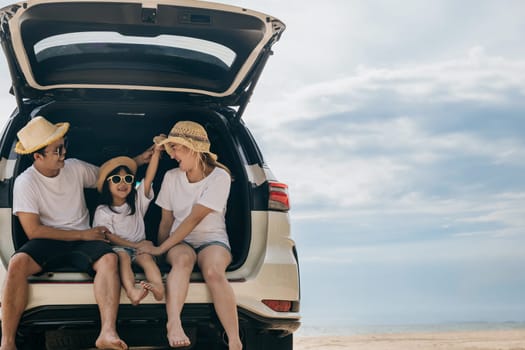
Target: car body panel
x,y
6,241
99,100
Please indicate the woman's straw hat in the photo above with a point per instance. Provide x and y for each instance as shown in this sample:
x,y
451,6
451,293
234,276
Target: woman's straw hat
x,y
38,133
111,165
189,134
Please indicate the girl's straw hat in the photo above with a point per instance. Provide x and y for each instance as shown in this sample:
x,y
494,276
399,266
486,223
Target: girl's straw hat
x,y
111,165
39,133
189,134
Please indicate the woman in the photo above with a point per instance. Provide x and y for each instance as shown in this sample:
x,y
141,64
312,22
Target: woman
x,y
193,229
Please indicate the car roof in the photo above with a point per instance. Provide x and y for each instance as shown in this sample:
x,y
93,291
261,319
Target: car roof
x,y
185,46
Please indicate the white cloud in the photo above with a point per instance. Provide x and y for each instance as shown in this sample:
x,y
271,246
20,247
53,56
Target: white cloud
x,y
476,77
388,165
334,166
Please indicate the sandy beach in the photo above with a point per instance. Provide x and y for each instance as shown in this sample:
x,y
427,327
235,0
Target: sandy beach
x,y
461,340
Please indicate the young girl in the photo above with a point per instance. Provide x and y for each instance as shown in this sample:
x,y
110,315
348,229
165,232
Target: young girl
x,y
193,229
121,210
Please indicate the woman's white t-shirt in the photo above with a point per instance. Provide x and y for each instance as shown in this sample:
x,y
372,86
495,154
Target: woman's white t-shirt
x,y
179,195
119,222
59,200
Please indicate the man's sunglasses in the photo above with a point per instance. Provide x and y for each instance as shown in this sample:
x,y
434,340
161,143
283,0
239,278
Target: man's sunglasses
x,y
116,179
60,150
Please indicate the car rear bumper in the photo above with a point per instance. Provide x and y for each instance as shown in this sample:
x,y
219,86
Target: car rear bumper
x,y
77,326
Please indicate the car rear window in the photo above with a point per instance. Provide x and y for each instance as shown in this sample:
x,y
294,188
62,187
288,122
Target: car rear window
x,y
104,43
112,58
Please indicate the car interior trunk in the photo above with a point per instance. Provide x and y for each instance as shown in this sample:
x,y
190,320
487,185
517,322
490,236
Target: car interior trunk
x,y
102,130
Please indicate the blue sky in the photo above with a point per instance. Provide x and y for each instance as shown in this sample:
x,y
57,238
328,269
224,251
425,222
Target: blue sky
x,y
399,127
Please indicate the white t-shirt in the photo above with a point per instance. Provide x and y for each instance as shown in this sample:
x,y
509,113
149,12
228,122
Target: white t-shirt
x,y
129,227
59,200
178,195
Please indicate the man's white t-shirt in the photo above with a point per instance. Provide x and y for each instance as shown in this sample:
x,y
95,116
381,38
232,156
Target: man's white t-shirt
x,y
178,195
59,200
129,227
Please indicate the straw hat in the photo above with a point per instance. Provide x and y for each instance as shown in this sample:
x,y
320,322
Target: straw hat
x,y
189,134
38,133
111,165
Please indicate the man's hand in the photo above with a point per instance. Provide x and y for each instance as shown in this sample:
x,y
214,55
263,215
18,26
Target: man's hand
x,y
145,156
98,233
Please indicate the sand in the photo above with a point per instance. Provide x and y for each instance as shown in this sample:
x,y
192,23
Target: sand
x,y
472,340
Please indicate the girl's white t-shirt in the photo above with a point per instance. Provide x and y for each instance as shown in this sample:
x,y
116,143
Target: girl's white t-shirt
x,y
59,200
178,195
129,227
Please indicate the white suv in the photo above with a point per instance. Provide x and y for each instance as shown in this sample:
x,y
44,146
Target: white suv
x,y
121,72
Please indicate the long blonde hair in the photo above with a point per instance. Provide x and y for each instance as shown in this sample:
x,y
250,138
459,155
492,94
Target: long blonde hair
x,y
205,160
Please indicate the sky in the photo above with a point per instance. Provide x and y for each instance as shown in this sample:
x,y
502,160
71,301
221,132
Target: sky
x,y
399,127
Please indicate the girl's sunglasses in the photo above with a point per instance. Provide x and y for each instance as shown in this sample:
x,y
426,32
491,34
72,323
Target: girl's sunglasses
x,y
116,179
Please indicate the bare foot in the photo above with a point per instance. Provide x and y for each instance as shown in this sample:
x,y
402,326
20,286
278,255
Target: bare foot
x,y
110,341
137,294
235,345
177,338
158,291
8,346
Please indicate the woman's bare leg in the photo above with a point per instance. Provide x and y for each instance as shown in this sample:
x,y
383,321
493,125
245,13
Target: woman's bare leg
x,y
213,261
182,259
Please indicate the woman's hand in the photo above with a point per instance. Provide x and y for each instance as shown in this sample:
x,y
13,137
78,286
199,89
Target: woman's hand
x,y
144,244
146,247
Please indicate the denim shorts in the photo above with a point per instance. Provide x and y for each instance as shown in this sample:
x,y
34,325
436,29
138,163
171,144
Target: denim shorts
x,y
198,249
132,252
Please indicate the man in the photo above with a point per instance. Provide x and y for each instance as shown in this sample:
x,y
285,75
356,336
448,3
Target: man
x,y
48,200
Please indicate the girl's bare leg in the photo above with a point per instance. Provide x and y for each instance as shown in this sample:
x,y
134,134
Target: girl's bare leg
x,y
127,277
154,278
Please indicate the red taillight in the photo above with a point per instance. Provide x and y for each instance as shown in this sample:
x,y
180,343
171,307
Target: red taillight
x,y
279,199
278,305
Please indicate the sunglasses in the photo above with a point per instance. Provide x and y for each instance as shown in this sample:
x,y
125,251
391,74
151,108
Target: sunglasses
x,y
116,179
60,150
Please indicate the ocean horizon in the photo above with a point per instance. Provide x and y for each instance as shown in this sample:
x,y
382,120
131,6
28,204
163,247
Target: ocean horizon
x,y
349,328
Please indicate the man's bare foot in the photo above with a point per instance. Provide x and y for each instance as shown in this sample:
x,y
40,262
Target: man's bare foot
x,y
6,346
158,291
110,341
177,338
136,294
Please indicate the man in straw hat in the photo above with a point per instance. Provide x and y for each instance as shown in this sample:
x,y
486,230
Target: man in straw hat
x,y
48,199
